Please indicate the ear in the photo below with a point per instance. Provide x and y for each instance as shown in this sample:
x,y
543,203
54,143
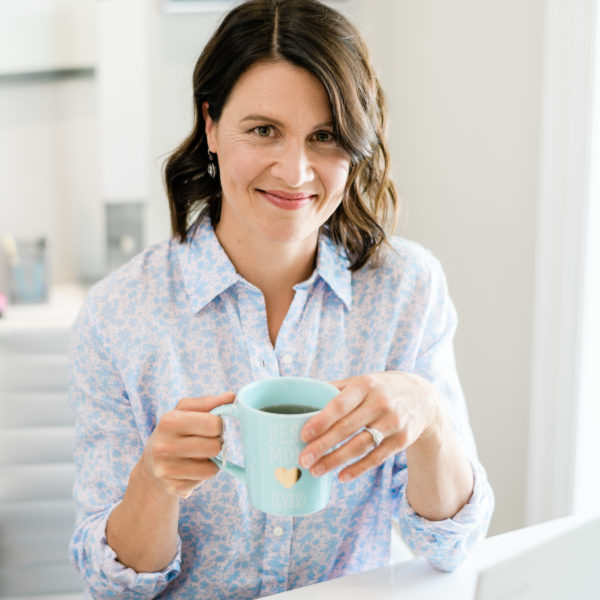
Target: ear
x,y
210,128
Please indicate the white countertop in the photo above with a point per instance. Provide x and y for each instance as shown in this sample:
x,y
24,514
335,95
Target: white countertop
x,y
60,310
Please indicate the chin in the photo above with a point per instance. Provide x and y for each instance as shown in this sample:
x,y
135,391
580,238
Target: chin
x,y
284,234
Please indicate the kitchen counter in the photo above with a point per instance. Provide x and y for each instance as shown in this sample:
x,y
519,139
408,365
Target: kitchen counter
x,y
60,310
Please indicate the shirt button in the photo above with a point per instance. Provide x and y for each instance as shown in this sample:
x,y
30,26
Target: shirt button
x,y
277,531
287,358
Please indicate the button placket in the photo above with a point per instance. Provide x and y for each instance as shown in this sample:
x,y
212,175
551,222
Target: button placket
x,y
287,336
254,327
277,531
278,540
265,363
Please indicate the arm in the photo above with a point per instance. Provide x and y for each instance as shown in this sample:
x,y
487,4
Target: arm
x,y
142,529
406,409
107,447
444,501
440,478
444,542
125,542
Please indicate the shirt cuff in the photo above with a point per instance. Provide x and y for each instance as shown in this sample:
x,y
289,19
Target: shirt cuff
x,y
127,578
445,544
110,577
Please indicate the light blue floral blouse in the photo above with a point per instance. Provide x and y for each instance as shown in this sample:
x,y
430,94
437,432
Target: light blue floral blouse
x,y
179,321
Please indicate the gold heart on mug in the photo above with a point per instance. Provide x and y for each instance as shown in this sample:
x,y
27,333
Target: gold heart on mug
x,y
287,477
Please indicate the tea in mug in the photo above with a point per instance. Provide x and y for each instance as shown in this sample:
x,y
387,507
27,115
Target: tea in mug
x,y
289,409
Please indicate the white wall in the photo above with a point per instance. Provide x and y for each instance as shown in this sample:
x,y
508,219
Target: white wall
x,y
587,475
49,123
174,43
463,79
49,164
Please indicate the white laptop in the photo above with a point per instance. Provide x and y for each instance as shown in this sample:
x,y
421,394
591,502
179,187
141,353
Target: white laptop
x,y
556,560
563,565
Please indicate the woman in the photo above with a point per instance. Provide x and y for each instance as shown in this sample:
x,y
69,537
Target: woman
x,y
279,265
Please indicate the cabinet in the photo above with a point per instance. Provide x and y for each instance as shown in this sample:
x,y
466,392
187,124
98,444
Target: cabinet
x,y
54,35
36,460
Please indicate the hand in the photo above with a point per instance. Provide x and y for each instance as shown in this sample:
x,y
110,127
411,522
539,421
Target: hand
x,y
403,406
176,458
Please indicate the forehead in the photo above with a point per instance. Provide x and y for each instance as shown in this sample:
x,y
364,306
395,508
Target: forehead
x,y
279,90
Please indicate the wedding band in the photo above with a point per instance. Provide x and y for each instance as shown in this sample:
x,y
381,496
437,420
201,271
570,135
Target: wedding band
x,y
376,435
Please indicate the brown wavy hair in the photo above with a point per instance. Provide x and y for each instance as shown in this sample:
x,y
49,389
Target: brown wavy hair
x,y
313,36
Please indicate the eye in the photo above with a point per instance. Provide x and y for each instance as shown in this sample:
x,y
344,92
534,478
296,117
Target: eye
x,y
324,136
263,130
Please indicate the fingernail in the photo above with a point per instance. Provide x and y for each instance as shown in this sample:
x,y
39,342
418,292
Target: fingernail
x,y
345,477
307,460
318,471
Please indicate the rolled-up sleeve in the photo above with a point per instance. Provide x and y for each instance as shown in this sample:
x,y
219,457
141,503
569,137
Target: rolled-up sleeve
x,y
444,544
107,446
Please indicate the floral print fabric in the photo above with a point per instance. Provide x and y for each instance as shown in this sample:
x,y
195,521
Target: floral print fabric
x,y
179,321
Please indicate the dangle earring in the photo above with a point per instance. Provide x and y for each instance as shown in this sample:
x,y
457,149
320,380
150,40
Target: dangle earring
x,y
212,168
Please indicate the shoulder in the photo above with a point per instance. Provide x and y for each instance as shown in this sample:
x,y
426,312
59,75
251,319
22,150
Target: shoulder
x,y
406,264
136,290
409,256
409,283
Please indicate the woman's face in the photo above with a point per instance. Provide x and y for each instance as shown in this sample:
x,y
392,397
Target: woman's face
x,y
282,171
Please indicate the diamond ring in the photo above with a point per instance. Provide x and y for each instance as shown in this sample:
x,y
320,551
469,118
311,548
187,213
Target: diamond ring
x,y
376,435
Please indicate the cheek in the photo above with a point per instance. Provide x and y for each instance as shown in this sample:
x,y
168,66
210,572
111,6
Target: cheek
x,y
239,167
335,177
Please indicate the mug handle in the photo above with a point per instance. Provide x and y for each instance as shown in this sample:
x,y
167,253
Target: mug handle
x,y
233,469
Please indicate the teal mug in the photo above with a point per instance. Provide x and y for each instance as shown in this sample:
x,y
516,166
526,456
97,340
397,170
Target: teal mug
x,y
272,413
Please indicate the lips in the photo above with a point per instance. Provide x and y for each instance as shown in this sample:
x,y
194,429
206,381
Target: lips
x,y
287,200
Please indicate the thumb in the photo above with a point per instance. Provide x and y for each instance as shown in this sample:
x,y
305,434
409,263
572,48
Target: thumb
x,y
340,384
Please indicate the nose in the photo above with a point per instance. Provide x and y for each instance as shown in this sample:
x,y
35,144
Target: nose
x,y
293,164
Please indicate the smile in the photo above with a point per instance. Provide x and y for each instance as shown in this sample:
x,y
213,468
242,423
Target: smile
x,y
286,200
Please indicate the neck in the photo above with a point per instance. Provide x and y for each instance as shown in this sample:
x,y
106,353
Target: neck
x,y
272,267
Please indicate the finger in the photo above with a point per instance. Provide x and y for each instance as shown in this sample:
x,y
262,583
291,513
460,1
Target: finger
x,y
200,447
182,488
373,459
186,468
182,422
191,446
342,404
342,430
205,403
357,446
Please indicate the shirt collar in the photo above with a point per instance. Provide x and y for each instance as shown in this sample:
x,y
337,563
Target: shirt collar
x,y
332,267
205,267
207,271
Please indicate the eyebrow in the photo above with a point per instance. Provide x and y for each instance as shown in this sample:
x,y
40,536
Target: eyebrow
x,y
279,123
